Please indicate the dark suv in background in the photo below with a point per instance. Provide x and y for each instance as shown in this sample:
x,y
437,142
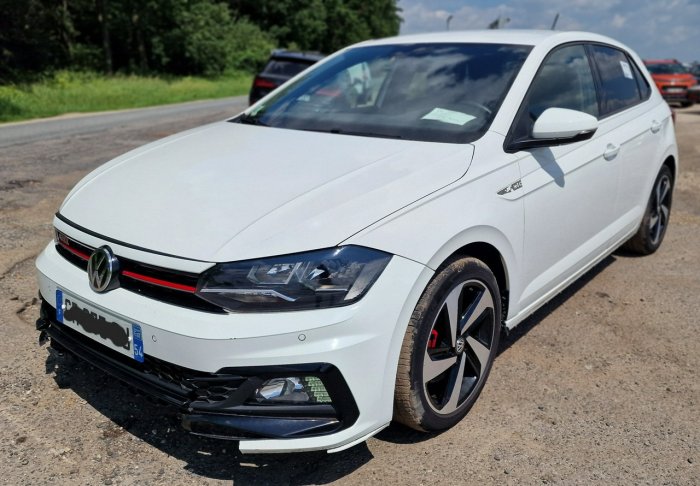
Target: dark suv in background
x,y
281,66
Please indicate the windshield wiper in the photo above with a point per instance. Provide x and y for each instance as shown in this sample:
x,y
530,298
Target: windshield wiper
x,y
340,131
249,120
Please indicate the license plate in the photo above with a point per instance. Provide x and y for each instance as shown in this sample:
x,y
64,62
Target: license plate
x,y
107,329
675,90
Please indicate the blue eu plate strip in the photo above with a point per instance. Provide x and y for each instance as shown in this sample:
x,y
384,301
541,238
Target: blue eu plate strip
x,y
59,305
138,343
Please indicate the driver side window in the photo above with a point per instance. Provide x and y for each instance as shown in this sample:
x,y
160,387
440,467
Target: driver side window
x,y
564,80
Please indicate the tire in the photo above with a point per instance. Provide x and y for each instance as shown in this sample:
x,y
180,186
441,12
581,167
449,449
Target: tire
x,y
652,230
686,104
454,332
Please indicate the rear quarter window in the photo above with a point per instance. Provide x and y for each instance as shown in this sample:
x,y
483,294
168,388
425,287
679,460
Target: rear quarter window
x,y
644,88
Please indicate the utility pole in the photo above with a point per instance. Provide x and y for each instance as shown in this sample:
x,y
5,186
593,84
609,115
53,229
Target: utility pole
x,y
449,18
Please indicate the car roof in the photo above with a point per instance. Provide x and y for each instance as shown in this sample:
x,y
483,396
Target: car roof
x,y
496,36
297,55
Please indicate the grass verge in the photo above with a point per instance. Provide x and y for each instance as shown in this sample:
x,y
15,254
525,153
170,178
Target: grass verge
x,y
71,92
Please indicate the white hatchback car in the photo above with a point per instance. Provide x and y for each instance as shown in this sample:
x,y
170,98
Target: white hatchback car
x,y
347,251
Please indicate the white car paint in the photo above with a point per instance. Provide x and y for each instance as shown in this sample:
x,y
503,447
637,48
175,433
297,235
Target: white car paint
x,y
562,121
271,195
230,192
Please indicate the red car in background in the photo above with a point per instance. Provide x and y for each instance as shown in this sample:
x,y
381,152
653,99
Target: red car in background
x,y
672,79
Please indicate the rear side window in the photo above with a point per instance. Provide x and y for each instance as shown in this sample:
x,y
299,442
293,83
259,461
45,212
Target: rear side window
x,y
619,86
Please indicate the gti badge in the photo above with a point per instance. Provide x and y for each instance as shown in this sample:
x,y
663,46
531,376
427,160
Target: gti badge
x,y
103,270
513,187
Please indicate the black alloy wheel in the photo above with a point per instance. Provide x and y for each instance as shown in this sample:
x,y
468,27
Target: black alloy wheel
x,y
449,346
655,221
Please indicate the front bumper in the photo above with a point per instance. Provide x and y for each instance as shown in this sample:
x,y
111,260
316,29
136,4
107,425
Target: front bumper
x,y
218,404
694,94
353,349
680,96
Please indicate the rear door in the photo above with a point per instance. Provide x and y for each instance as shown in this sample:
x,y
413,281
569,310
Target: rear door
x,y
636,126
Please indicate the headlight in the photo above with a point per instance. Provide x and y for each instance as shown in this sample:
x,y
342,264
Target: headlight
x,y
313,280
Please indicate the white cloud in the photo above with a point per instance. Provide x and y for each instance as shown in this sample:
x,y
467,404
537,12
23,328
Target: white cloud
x,y
618,21
652,28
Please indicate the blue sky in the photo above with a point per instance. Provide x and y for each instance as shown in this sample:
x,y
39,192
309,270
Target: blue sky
x,y
655,29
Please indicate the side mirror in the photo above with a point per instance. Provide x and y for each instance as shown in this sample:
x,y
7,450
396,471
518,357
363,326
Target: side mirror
x,y
558,126
563,124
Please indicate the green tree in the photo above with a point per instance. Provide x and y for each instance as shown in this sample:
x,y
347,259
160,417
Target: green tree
x,y
321,25
30,39
177,36
213,42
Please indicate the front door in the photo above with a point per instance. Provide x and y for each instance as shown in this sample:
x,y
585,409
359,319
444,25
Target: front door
x,y
570,190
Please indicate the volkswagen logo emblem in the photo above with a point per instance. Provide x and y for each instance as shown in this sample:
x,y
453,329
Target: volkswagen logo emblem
x,y
459,345
103,270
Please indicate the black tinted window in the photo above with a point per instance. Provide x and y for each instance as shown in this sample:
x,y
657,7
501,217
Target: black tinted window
x,y
285,68
565,80
666,68
620,89
644,89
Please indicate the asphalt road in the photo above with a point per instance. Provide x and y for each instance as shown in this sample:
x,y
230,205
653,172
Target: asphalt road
x,y
81,124
599,386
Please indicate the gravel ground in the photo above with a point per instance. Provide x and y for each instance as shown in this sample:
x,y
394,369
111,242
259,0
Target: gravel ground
x,y
599,386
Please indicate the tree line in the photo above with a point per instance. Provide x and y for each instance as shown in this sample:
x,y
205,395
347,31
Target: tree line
x,y
207,37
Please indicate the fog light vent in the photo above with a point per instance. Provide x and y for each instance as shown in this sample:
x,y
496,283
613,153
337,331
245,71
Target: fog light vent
x,y
293,389
317,392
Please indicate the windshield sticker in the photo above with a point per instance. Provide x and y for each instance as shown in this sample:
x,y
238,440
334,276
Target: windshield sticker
x,y
626,69
448,116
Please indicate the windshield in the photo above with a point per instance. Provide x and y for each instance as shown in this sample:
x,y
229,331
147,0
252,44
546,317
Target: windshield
x,y
429,92
667,68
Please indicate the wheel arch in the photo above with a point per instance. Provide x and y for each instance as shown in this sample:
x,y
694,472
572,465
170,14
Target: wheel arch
x,y
490,246
670,162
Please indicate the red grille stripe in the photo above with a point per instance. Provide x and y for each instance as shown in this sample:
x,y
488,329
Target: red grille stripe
x,y
157,281
74,251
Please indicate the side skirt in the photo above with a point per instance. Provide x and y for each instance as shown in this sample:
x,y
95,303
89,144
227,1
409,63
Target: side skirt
x,y
529,310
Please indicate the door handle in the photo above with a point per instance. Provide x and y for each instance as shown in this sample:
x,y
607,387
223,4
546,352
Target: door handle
x,y
611,151
655,126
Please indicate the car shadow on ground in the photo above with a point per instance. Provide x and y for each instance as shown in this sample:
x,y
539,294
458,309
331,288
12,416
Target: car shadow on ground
x,y
512,337
131,414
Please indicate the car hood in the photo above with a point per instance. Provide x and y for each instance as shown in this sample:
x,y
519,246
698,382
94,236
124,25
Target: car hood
x,y
229,192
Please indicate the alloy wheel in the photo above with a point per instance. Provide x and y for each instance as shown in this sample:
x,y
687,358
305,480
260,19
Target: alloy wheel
x,y
460,346
660,209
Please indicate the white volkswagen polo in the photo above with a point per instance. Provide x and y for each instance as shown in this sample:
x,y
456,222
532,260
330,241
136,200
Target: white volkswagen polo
x,y
348,250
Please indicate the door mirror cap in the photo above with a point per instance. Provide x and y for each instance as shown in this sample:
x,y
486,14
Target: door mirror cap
x,y
557,126
562,123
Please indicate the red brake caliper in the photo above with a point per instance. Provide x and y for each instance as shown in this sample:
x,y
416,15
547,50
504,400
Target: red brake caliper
x,y
432,342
